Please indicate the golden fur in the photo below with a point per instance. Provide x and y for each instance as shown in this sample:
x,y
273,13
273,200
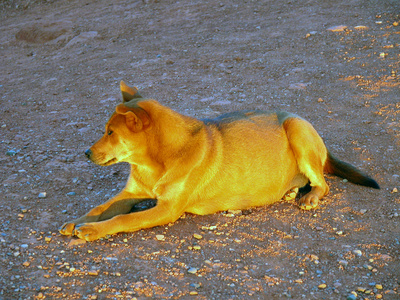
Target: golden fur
x,y
236,161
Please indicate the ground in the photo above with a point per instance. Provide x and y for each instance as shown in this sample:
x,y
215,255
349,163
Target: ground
x,y
333,62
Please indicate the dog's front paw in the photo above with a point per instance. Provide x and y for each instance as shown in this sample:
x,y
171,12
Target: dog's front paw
x,y
67,229
87,231
308,202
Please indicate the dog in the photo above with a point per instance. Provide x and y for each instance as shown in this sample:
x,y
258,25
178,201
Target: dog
x,y
236,161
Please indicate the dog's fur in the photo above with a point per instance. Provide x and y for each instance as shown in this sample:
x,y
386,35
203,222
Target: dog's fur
x,y
236,161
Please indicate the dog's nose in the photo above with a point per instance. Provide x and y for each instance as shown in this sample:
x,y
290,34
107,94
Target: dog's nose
x,y
88,153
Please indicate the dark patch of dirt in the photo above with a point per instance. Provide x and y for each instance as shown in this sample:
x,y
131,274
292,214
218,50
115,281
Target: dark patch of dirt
x,y
61,63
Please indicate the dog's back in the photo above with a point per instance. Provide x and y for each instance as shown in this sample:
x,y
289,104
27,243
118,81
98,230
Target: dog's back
x,y
255,167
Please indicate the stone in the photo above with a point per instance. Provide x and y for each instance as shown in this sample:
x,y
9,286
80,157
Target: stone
x,y
337,28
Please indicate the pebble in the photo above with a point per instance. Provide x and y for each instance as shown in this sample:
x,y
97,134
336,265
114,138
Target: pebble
x,y
322,286
76,242
11,153
211,228
195,285
197,236
337,28
352,296
192,271
298,281
379,286
42,195
94,272
363,211
368,267
343,263
357,252
361,27
160,237
26,264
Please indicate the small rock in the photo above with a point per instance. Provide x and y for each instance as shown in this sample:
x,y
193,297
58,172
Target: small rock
x,y
379,286
395,190
195,285
368,267
343,263
160,237
298,281
71,194
322,286
26,264
11,153
192,271
93,272
352,296
42,195
363,211
337,28
197,236
357,252
75,242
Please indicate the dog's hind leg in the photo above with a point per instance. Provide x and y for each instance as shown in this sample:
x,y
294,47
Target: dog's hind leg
x,y
310,153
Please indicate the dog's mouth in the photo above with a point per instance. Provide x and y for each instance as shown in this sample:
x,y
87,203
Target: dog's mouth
x,y
109,162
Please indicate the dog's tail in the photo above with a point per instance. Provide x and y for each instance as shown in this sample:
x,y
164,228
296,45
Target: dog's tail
x,y
349,172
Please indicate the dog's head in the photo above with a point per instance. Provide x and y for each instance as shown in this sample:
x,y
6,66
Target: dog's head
x,y
124,139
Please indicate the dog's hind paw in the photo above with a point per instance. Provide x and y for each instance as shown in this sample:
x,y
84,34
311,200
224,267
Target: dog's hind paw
x,y
291,194
308,201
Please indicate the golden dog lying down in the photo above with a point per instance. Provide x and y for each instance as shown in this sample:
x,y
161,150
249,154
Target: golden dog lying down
x,y
236,161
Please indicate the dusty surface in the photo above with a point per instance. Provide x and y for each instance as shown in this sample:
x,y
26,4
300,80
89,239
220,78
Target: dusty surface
x,y
61,63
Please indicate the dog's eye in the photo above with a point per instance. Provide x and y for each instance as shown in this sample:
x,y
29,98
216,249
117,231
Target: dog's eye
x,y
110,132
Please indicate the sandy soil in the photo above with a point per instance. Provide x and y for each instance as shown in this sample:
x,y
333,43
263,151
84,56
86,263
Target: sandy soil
x,y
334,62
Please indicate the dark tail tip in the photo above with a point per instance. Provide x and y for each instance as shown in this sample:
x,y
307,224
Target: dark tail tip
x,y
368,181
349,172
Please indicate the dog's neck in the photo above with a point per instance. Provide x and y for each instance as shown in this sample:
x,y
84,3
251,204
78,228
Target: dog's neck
x,y
172,131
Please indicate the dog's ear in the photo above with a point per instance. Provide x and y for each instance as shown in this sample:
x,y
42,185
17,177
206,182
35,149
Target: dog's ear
x,y
128,93
136,118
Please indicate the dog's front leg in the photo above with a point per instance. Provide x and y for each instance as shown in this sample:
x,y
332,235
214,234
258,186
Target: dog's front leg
x,y
120,204
163,213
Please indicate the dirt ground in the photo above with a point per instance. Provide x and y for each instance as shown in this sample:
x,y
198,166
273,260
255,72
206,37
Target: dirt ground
x,y
334,62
